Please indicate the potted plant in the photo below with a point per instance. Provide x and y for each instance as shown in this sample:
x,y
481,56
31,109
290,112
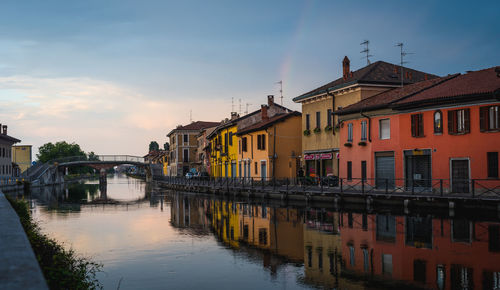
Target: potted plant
x,y
307,132
362,143
328,128
348,144
317,130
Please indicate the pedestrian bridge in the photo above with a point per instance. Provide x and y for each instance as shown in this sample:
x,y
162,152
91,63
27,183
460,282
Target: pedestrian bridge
x,y
52,172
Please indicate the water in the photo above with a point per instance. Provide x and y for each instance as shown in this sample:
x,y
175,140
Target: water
x,y
148,238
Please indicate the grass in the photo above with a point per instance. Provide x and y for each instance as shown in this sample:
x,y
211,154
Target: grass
x,y
63,269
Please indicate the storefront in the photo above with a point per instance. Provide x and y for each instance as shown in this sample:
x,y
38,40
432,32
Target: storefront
x,y
321,164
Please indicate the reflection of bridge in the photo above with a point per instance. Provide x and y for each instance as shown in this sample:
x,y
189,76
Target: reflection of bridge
x,y
53,171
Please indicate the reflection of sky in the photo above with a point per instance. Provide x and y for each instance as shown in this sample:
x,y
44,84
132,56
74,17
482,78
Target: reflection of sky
x,y
137,243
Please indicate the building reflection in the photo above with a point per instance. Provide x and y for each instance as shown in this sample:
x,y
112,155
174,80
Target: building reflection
x,y
189,214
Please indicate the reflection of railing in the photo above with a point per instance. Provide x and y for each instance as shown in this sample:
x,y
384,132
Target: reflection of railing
x,y
470,188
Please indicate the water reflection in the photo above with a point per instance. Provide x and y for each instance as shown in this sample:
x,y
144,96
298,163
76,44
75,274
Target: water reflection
x,y
293,247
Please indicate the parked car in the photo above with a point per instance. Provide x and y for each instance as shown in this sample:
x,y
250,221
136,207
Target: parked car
x,y
330,181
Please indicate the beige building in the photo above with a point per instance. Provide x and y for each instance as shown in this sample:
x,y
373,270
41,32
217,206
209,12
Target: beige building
x,y
6,142
21,155
320,127
183,147
202,160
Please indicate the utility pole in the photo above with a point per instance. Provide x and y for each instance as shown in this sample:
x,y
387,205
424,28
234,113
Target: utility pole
x,y
366,50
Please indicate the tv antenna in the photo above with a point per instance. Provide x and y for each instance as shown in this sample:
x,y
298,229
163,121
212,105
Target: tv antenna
x,y
190,116
239,111
403,54
246,110
281,91
232,104
366,50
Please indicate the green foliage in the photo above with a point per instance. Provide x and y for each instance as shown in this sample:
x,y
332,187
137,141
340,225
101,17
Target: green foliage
x,y
62,269
166,146
50,151
307,132
153,146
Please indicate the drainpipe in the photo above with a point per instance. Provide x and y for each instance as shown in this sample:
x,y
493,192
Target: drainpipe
x,y
369,125
274,152
333,110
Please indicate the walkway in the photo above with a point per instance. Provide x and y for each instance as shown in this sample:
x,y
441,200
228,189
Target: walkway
x,y
19,268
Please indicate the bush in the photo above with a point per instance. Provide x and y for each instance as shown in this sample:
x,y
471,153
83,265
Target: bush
x,y
62,269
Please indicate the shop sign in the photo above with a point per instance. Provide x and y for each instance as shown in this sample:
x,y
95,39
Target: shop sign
x,y
326,156
309,157
318,156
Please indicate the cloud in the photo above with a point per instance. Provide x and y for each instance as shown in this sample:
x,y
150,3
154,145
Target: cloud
x,y
101,116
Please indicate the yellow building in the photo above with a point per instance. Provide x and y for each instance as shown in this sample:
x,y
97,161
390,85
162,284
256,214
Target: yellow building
x,y
224,149
21,155
226,222
270,148
320,127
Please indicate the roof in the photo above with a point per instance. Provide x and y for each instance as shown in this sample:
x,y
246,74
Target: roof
x,y
384,99
473,84
268,123
194,126
9,138
380,72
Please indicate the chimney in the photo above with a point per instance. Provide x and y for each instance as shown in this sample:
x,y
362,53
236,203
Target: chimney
x,y
346,67
263,112
4,129
270,100
234,115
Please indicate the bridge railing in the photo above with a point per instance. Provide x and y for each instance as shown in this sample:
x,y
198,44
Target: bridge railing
x,y
103,158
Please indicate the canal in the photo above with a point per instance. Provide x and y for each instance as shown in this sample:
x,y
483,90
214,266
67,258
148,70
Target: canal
x,y
151,238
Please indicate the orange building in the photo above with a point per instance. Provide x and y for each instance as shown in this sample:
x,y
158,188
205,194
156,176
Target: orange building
x,y
446,128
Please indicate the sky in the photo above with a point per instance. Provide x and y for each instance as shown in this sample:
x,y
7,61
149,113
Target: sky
x,y
112,76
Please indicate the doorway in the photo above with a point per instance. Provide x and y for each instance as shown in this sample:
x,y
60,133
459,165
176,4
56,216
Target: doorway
x,y
460,175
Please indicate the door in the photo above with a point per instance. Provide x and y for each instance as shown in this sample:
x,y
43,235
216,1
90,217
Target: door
x,y
460,175
384,169
233,170
418,171
263,170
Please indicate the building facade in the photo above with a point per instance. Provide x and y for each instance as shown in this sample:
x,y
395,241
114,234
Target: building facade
x,y
320,143
437,133
6,142
183,147
21,155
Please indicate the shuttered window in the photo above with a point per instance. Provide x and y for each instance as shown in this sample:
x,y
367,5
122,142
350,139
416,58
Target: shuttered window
x,y
363,131
459,121
438,122
489,118
244,144
349,132
261,142
318,119
329,117
385,129
308,122
417,125
349,170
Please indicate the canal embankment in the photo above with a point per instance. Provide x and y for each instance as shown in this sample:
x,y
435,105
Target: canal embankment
x,y
19,268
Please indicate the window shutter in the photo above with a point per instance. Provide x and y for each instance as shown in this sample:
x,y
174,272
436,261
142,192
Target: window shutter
x,y
413,124
263,142
450,122
483,119
259,138
467,121
420,125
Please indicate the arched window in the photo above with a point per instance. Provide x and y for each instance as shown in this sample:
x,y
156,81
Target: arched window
x,y
438,122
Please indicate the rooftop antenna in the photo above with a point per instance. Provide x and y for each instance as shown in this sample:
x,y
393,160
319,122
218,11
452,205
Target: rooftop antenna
x,y
403,54
366,50
246,110
190,116
232,104
281,90
239,111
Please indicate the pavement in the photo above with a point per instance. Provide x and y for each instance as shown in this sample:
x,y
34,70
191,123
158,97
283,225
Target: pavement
x,y
19,268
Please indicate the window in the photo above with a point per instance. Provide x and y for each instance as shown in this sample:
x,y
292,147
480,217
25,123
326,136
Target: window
x,y
349,132
385,129
352,262
459,121
492,164
329,117
366,265
489,118
438,122
263,236
417,125
349,170
318,119
185,157
308,122
256,168
309,256
320,259
244,144
225,143
261,142
230,138
363,131
186,138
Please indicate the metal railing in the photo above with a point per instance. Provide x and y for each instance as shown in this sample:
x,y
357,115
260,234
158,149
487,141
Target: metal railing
x,y
473,188
102,158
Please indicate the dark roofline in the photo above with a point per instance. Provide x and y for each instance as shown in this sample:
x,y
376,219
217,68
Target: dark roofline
x,y
449,100
281,118
9,138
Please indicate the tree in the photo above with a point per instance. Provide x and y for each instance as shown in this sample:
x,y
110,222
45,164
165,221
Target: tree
x,y
153,146
50,151
166,146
